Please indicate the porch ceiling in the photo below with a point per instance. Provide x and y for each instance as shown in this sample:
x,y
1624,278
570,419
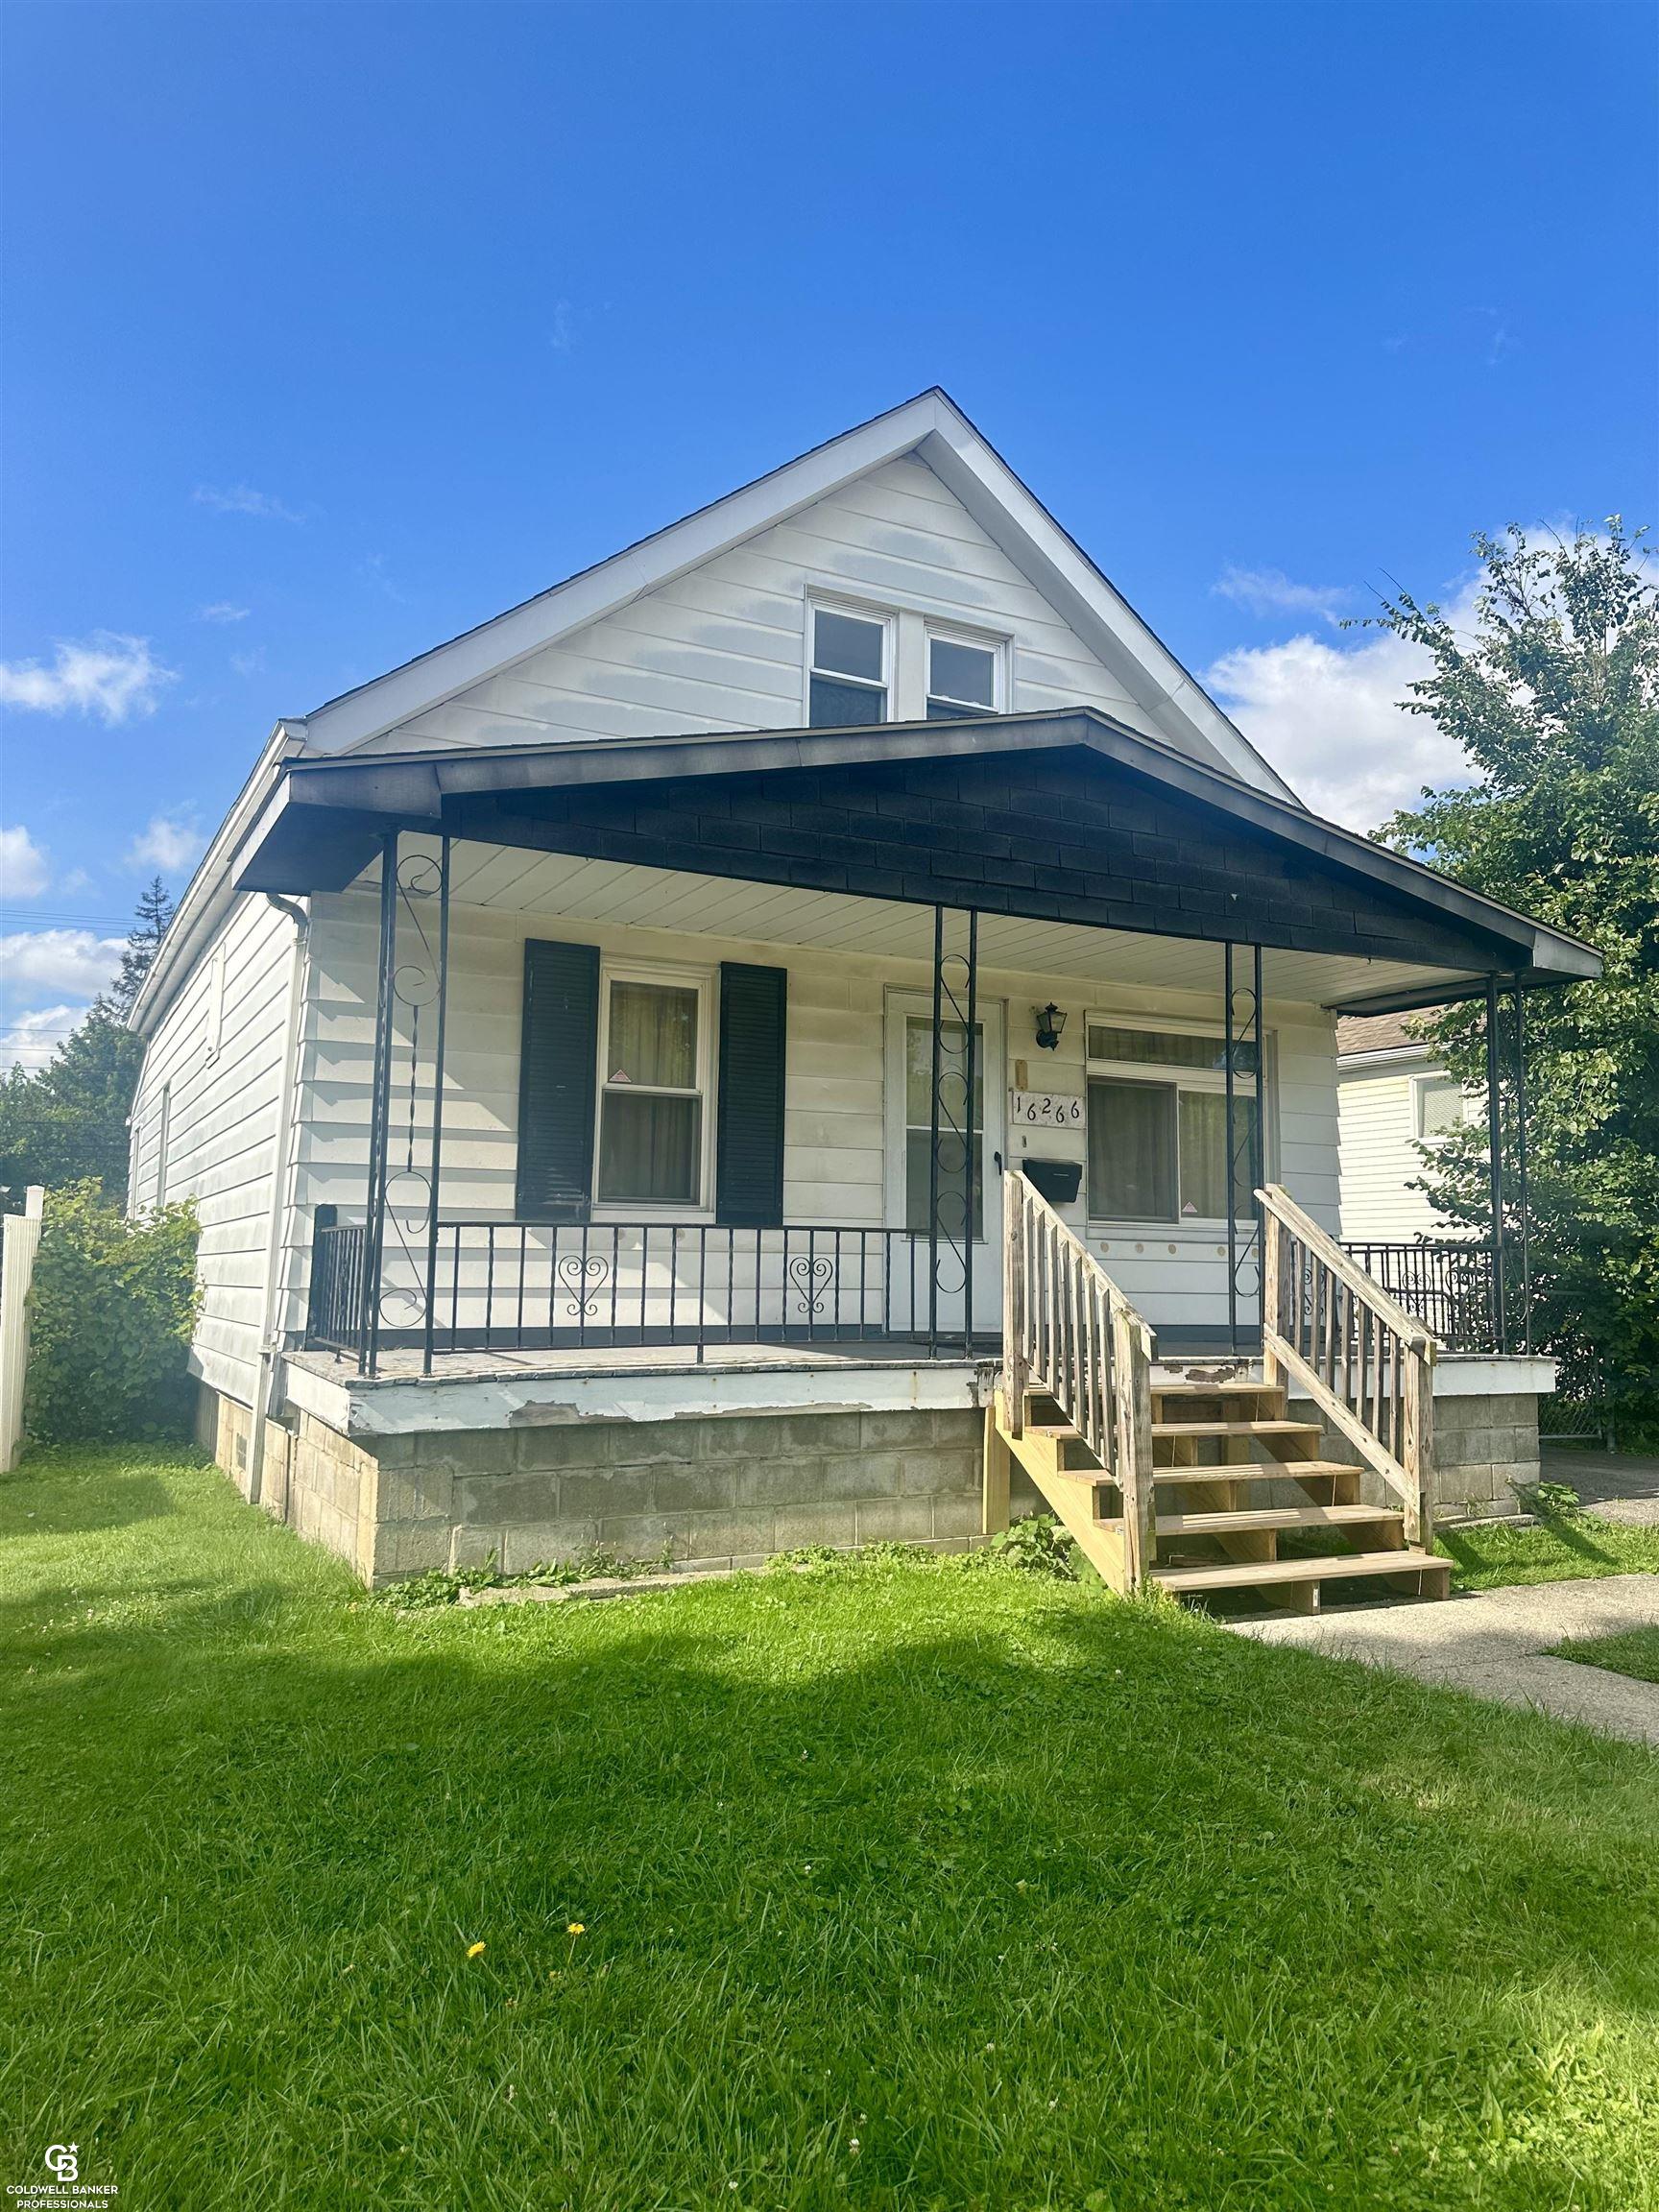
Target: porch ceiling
x,y
1047,824
508,879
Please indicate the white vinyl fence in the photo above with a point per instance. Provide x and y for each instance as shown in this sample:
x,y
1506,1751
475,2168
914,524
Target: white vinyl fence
x,y
21,1241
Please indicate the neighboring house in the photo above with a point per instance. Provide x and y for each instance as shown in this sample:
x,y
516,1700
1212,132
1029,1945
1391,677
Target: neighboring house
x,y
704,892
1392,1099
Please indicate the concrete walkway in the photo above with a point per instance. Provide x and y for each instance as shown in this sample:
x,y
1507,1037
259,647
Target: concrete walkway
x,y
1494,1644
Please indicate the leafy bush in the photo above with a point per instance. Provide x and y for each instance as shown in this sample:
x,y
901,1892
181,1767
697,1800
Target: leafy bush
x,y
1037,1544
110,1312
1549,1501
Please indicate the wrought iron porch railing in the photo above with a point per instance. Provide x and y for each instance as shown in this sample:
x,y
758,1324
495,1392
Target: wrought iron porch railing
x,y
511,1285
1451,1289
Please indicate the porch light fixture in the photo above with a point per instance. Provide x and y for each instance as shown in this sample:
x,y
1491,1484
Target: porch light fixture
x,y
1050,1022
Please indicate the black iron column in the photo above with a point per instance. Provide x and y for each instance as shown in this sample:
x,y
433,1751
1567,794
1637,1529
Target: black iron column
x,y
1243,1051
437,1112
379,1111
953,1188
1495,1166
1523,1193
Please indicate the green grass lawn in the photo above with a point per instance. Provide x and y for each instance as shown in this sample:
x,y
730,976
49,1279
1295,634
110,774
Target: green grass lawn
x,y
901,1886
1562,1548
1630,1651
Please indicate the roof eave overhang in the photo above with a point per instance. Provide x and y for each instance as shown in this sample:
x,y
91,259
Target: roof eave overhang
x,y
320,825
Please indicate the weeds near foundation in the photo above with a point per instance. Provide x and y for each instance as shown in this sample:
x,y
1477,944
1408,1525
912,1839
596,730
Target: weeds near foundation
x,y
421,1592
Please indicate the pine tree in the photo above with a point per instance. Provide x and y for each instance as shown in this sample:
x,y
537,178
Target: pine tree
x,y
67,1122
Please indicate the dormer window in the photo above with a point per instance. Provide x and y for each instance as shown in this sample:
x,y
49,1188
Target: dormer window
x,y
961,678
851,657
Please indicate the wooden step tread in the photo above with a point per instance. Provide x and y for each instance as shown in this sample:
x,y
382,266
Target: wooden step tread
x,y
1267,1428
1273,1516
1255,1471
1259,1573
1217,1389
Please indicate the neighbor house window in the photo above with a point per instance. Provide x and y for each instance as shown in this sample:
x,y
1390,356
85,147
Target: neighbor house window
x,y
1158,1127
961,678
653,1090
1439,1101
849,672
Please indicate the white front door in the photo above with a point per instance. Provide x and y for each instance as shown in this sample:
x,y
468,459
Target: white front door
x,y
909,1163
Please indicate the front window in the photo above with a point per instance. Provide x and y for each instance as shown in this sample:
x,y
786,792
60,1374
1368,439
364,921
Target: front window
x,y
1158,1127
848,676
652,1092
961,678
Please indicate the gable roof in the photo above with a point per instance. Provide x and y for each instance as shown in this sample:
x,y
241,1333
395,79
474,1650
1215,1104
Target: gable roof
x,y
932,427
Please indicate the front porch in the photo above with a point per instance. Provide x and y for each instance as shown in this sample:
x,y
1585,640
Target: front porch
x,y
833,993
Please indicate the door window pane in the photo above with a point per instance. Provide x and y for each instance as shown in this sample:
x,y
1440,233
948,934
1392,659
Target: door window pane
x,y
649,1148
1132,1152
653,1037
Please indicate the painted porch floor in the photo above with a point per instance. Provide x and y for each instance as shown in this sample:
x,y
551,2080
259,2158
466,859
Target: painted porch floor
x,y
399,1363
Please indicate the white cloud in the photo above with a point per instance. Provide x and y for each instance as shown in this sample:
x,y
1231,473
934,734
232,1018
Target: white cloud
x,y
248,663
243,499
1328,718
1271,591
76,962
107,674
29,1040
166,844
22,865
222,611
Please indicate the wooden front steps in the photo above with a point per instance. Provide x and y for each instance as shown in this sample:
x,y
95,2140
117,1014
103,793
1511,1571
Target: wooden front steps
x,y
1214,1442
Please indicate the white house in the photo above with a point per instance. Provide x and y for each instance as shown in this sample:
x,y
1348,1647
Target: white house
x,y
569,1038
1393,1098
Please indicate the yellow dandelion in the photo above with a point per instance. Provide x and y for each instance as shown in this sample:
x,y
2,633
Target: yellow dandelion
x,y
475,1950
576,1929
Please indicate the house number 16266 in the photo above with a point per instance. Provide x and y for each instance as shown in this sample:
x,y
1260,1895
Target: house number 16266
x,y
1047,1110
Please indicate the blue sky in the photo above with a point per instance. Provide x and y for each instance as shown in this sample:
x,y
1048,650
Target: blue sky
x,y
332,331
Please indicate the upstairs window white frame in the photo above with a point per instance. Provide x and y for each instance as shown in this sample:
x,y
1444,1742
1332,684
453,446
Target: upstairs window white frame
x,y
1433,1094
840,663
946,693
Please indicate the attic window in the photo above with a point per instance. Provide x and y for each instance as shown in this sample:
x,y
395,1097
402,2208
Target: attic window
x,y
961,678
849,669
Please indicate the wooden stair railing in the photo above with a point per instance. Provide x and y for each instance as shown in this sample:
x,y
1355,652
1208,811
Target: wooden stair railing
x,y
1069,1333
1328,1330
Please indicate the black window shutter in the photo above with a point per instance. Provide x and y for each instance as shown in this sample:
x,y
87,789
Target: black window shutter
x,y
749,1143
557,1074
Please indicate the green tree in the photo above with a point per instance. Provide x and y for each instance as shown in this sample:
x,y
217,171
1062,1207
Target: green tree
x,y
67,1122
1554,698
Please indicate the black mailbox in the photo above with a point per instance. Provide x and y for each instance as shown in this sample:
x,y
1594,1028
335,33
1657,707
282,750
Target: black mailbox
x,y
1056,1180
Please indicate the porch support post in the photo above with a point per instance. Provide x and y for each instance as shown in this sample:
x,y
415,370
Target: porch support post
x,y
1524,1197
1242,1037
437,1167
1495,1166
974,1182
937,1069
1229,1140
379,1111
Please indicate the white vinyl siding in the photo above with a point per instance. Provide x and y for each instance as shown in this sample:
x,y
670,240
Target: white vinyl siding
x,y
1380,1158
724,647
211,1087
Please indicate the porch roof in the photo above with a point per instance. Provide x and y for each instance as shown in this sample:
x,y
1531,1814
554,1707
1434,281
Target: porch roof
x,y
1060,817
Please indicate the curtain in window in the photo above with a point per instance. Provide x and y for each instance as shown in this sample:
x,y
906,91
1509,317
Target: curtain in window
x,y
653,1036
649,1148
1132,1152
